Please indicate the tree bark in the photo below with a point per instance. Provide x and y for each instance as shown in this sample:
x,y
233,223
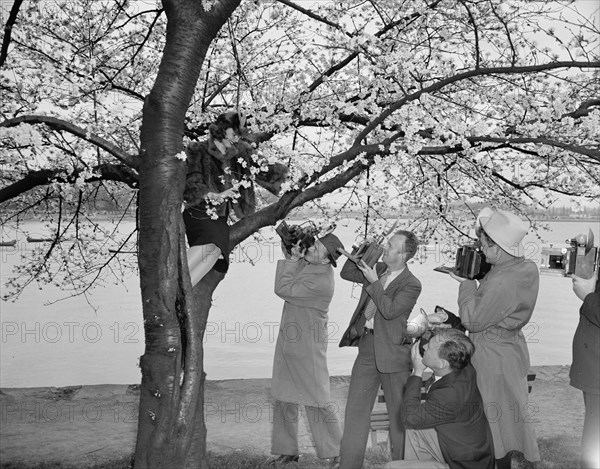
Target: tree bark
x,y
171,431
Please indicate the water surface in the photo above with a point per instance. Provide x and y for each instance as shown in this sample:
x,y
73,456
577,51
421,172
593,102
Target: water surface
x,y
69,343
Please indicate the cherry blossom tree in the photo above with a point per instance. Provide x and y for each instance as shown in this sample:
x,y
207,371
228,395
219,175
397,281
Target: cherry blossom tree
x,y
415,106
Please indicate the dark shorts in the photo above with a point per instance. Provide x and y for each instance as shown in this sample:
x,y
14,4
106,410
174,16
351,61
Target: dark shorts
x,y
200,230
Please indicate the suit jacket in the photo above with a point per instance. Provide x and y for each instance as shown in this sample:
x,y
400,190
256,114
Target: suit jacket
x,y
585,373
452,406
394,305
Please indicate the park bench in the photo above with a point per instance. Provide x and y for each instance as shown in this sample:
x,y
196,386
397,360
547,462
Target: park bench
x,y
379,416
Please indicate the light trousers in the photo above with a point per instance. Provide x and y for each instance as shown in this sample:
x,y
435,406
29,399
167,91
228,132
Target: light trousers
x,y
324,426
421,451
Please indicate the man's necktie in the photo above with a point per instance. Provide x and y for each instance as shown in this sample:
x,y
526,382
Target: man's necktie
x,y
371,308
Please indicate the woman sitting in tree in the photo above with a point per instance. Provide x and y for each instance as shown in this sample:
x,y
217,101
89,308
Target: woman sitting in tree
x,y
220,178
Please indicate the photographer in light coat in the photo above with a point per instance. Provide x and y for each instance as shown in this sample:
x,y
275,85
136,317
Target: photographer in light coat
x,y
494,311
305,281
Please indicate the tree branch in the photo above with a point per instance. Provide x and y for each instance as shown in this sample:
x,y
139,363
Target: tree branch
x,y
12,18
62,125
33,179
464,76
338,66
508,35
278,210
476,32
314,16
583,109
141,45
594,154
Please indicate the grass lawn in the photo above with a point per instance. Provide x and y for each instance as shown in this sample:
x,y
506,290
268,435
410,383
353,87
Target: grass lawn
x,y
556,453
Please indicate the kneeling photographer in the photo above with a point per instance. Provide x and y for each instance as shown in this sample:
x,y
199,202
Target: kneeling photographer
x,y
305,281
447,427
494,311
585,372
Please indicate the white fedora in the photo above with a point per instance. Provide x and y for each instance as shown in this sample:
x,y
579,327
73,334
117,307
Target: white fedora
x,y
506,229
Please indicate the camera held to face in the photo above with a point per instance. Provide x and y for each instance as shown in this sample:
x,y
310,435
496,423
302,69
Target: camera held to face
x,y
580,257
292,235
470,263
368,252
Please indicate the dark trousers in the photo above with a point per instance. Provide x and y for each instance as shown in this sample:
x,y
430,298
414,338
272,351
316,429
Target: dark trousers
x,y
590,457
364,384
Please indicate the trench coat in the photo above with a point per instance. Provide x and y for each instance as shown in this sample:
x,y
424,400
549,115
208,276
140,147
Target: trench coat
x,y
300,373
494,314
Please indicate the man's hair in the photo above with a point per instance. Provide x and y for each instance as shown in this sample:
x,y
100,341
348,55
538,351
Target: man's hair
x,y
411,244
487,239
457,348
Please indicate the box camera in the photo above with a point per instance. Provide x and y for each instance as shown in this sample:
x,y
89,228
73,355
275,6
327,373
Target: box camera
x,y
292,235
580,257
470,263
368,252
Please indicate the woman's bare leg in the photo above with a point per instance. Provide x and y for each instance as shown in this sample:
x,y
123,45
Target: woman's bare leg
x,y
201,259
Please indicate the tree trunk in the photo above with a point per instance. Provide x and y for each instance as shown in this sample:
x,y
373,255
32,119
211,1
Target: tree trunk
x,y
171,431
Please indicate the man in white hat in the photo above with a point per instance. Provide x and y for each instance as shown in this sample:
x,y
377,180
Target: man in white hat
x,y
494,311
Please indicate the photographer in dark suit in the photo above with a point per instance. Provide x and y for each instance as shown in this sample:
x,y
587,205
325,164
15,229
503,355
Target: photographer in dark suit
x,y
378,327
449,428
585,371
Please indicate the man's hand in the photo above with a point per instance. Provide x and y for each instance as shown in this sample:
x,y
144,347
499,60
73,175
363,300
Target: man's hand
x,y
584,286
417,360
296,252
369,272
456,277
437,318
437,321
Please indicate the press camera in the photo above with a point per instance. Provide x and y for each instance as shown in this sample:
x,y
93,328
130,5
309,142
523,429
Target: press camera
x,y
303,235
470,263
580,257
